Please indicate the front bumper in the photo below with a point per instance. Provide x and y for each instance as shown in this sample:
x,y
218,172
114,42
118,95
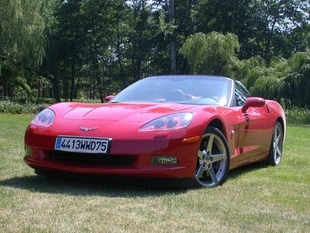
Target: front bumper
x,y
121,164
125,158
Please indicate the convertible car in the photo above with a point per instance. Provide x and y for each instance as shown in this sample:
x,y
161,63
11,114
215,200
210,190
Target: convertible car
x,y
186,129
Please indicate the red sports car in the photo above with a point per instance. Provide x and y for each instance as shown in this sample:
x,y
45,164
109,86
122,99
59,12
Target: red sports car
x,y
187,128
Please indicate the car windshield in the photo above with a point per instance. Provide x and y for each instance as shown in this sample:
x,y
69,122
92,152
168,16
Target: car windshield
x,y
200,90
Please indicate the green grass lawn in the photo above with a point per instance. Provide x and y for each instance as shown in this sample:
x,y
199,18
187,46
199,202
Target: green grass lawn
x,y
254,198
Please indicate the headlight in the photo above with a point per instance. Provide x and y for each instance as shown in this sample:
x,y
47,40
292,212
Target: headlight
x,y
45,118
169,122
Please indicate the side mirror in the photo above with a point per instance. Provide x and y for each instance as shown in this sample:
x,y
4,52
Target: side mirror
x,y
253,102
108,98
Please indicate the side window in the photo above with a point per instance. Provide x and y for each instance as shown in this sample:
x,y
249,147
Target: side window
x,y
241,93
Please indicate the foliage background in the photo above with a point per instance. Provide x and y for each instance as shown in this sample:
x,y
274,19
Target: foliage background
x,y
86,49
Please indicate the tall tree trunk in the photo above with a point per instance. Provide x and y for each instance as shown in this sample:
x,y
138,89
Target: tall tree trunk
x,y
54,80
100,88
72,86
173,62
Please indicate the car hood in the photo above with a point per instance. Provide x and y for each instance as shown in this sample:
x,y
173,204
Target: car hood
x,y
118,111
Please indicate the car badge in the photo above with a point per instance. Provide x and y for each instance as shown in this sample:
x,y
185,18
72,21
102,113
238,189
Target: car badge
x,y
85,129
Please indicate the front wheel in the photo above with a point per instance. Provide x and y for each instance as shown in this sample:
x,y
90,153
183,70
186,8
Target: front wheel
x,y
213,159
276,147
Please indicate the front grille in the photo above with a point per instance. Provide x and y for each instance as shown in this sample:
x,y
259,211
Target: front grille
x,y
91,159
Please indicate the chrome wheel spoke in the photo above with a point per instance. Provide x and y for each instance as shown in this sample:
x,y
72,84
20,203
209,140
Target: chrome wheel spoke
x,y
212,174
200,170
218,157
277,139
278,152
201,154
210,143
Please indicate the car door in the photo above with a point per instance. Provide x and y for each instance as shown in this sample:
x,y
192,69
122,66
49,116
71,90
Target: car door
x,y
254,128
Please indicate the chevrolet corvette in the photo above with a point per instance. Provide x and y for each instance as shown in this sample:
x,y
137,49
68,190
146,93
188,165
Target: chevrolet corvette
x,y
190,130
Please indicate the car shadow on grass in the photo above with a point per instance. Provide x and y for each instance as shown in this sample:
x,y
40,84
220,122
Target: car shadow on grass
x,y
241,171
108,186
75,186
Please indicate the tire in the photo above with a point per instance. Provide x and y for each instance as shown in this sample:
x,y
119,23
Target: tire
x,y
213,159
276,146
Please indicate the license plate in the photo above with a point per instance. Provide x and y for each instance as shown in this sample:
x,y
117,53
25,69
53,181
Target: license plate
x,y
82,145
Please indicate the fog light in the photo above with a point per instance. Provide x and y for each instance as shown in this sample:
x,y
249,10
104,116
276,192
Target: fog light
x,y
27,151
164,160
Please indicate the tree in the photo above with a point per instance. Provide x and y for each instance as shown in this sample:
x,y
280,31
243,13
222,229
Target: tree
x,y
21,32
50,68
262,27
21,39
140,38
282,17
100,25
296,81
213,53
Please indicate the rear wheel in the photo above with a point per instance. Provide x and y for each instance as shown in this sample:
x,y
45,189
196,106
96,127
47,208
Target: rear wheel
x,y
213,159
276,147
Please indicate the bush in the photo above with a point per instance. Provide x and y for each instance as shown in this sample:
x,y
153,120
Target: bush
x,y
11,107
298,116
